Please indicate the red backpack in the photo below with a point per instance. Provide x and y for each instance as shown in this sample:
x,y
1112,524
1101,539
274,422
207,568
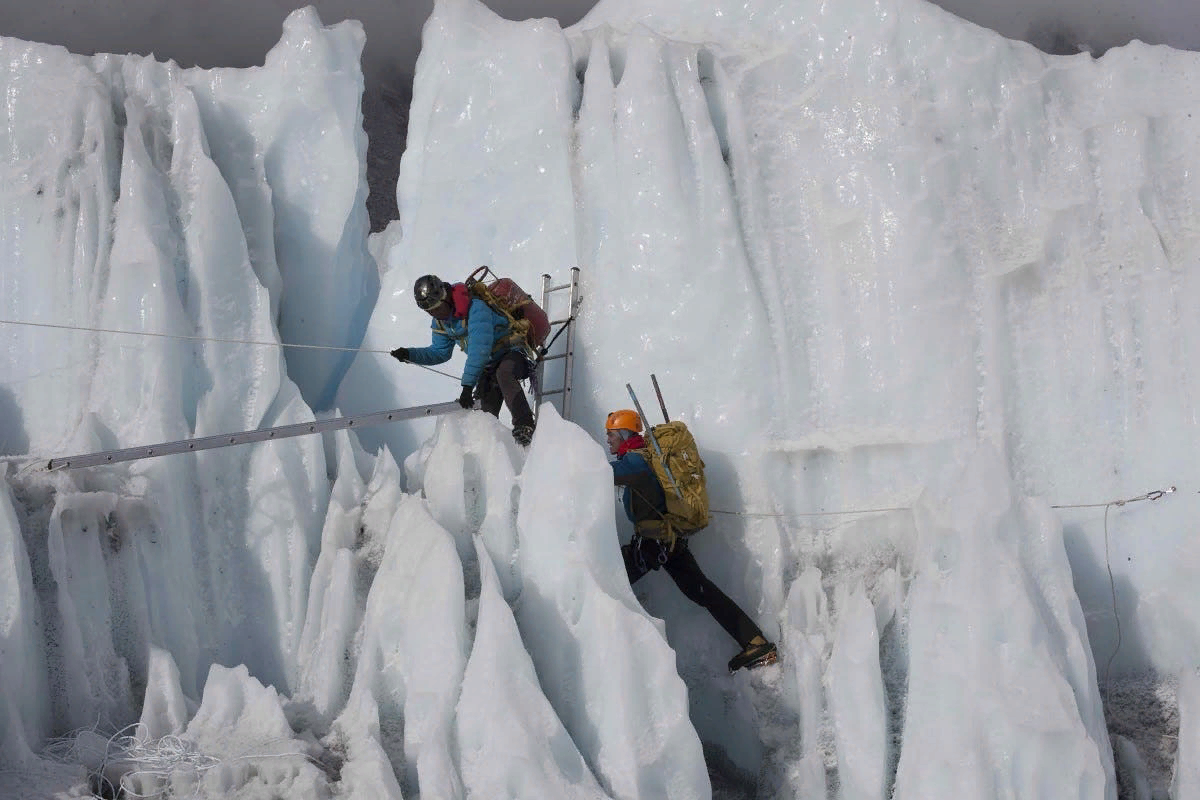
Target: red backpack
x,y
528,324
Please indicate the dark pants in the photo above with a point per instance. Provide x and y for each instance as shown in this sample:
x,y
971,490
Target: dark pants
x,y
642,555
502,381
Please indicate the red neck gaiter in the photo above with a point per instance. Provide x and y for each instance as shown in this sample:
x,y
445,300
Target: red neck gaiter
x,y
635,442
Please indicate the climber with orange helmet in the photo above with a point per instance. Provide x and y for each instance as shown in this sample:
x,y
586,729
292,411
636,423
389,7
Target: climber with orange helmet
x,y
644,498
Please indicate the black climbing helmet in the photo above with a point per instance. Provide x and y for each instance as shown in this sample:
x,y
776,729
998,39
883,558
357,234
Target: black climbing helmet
x,y
429,291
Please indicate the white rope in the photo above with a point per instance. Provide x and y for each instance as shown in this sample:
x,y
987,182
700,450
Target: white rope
x,y
1112,584
188,338
147,758
1154,495
213,339
21,459
810,513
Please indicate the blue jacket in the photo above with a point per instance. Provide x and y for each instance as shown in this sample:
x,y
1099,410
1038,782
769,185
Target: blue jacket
x,y
643,496
476,334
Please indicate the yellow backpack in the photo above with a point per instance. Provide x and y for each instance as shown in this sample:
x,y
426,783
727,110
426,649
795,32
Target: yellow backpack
x,y
677,465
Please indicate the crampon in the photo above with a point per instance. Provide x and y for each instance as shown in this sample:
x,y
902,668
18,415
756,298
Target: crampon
x,y
755,655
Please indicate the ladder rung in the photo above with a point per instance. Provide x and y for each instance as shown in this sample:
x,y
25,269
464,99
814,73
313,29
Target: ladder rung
x,y
566,322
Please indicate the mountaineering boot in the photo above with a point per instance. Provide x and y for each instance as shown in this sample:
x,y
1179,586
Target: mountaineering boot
x,y
523,434
758,653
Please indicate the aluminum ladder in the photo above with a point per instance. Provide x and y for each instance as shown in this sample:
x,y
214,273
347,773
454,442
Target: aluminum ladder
x,y
246,437
567,354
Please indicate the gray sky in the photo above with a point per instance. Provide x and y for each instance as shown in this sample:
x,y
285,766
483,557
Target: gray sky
x,y
1093,25
238,33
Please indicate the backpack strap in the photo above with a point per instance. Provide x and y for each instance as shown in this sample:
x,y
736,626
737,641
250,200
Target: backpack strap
x,y
660,528
461,341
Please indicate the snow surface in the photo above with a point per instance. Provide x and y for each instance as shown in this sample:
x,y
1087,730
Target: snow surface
x,y
924,295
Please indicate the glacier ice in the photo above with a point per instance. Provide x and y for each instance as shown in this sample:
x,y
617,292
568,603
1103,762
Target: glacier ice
x,y
922,293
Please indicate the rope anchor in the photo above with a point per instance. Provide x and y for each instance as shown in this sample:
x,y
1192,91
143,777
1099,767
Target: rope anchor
x,y
1154,495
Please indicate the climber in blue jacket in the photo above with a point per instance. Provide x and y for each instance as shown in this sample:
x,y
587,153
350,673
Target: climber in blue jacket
x,y
493,372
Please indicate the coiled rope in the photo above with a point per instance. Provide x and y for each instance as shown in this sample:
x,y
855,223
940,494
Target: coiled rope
x,y
137,756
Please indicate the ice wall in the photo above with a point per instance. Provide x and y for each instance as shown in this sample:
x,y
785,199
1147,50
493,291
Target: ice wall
x,y
1002,691
947,236
153,192
851,242
122,215
25,719
1186,783
446,688
856,244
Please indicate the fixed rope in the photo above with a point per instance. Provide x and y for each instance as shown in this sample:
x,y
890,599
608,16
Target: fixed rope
x,y
809,513
185,337
1153,495
1112,584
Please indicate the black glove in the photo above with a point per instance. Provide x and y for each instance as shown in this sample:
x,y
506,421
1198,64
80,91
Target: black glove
x,y
400,354
465,399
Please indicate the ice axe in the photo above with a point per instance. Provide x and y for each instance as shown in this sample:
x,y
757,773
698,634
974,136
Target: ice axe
x,y
653,441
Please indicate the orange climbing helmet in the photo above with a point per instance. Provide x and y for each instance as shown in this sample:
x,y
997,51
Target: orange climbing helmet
x,y
624,420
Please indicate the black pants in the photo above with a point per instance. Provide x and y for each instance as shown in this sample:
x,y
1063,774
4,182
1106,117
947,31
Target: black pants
x,y
642,555
502,381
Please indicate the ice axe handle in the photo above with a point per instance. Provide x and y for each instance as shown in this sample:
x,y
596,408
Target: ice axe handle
x,y
658,392
653,441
